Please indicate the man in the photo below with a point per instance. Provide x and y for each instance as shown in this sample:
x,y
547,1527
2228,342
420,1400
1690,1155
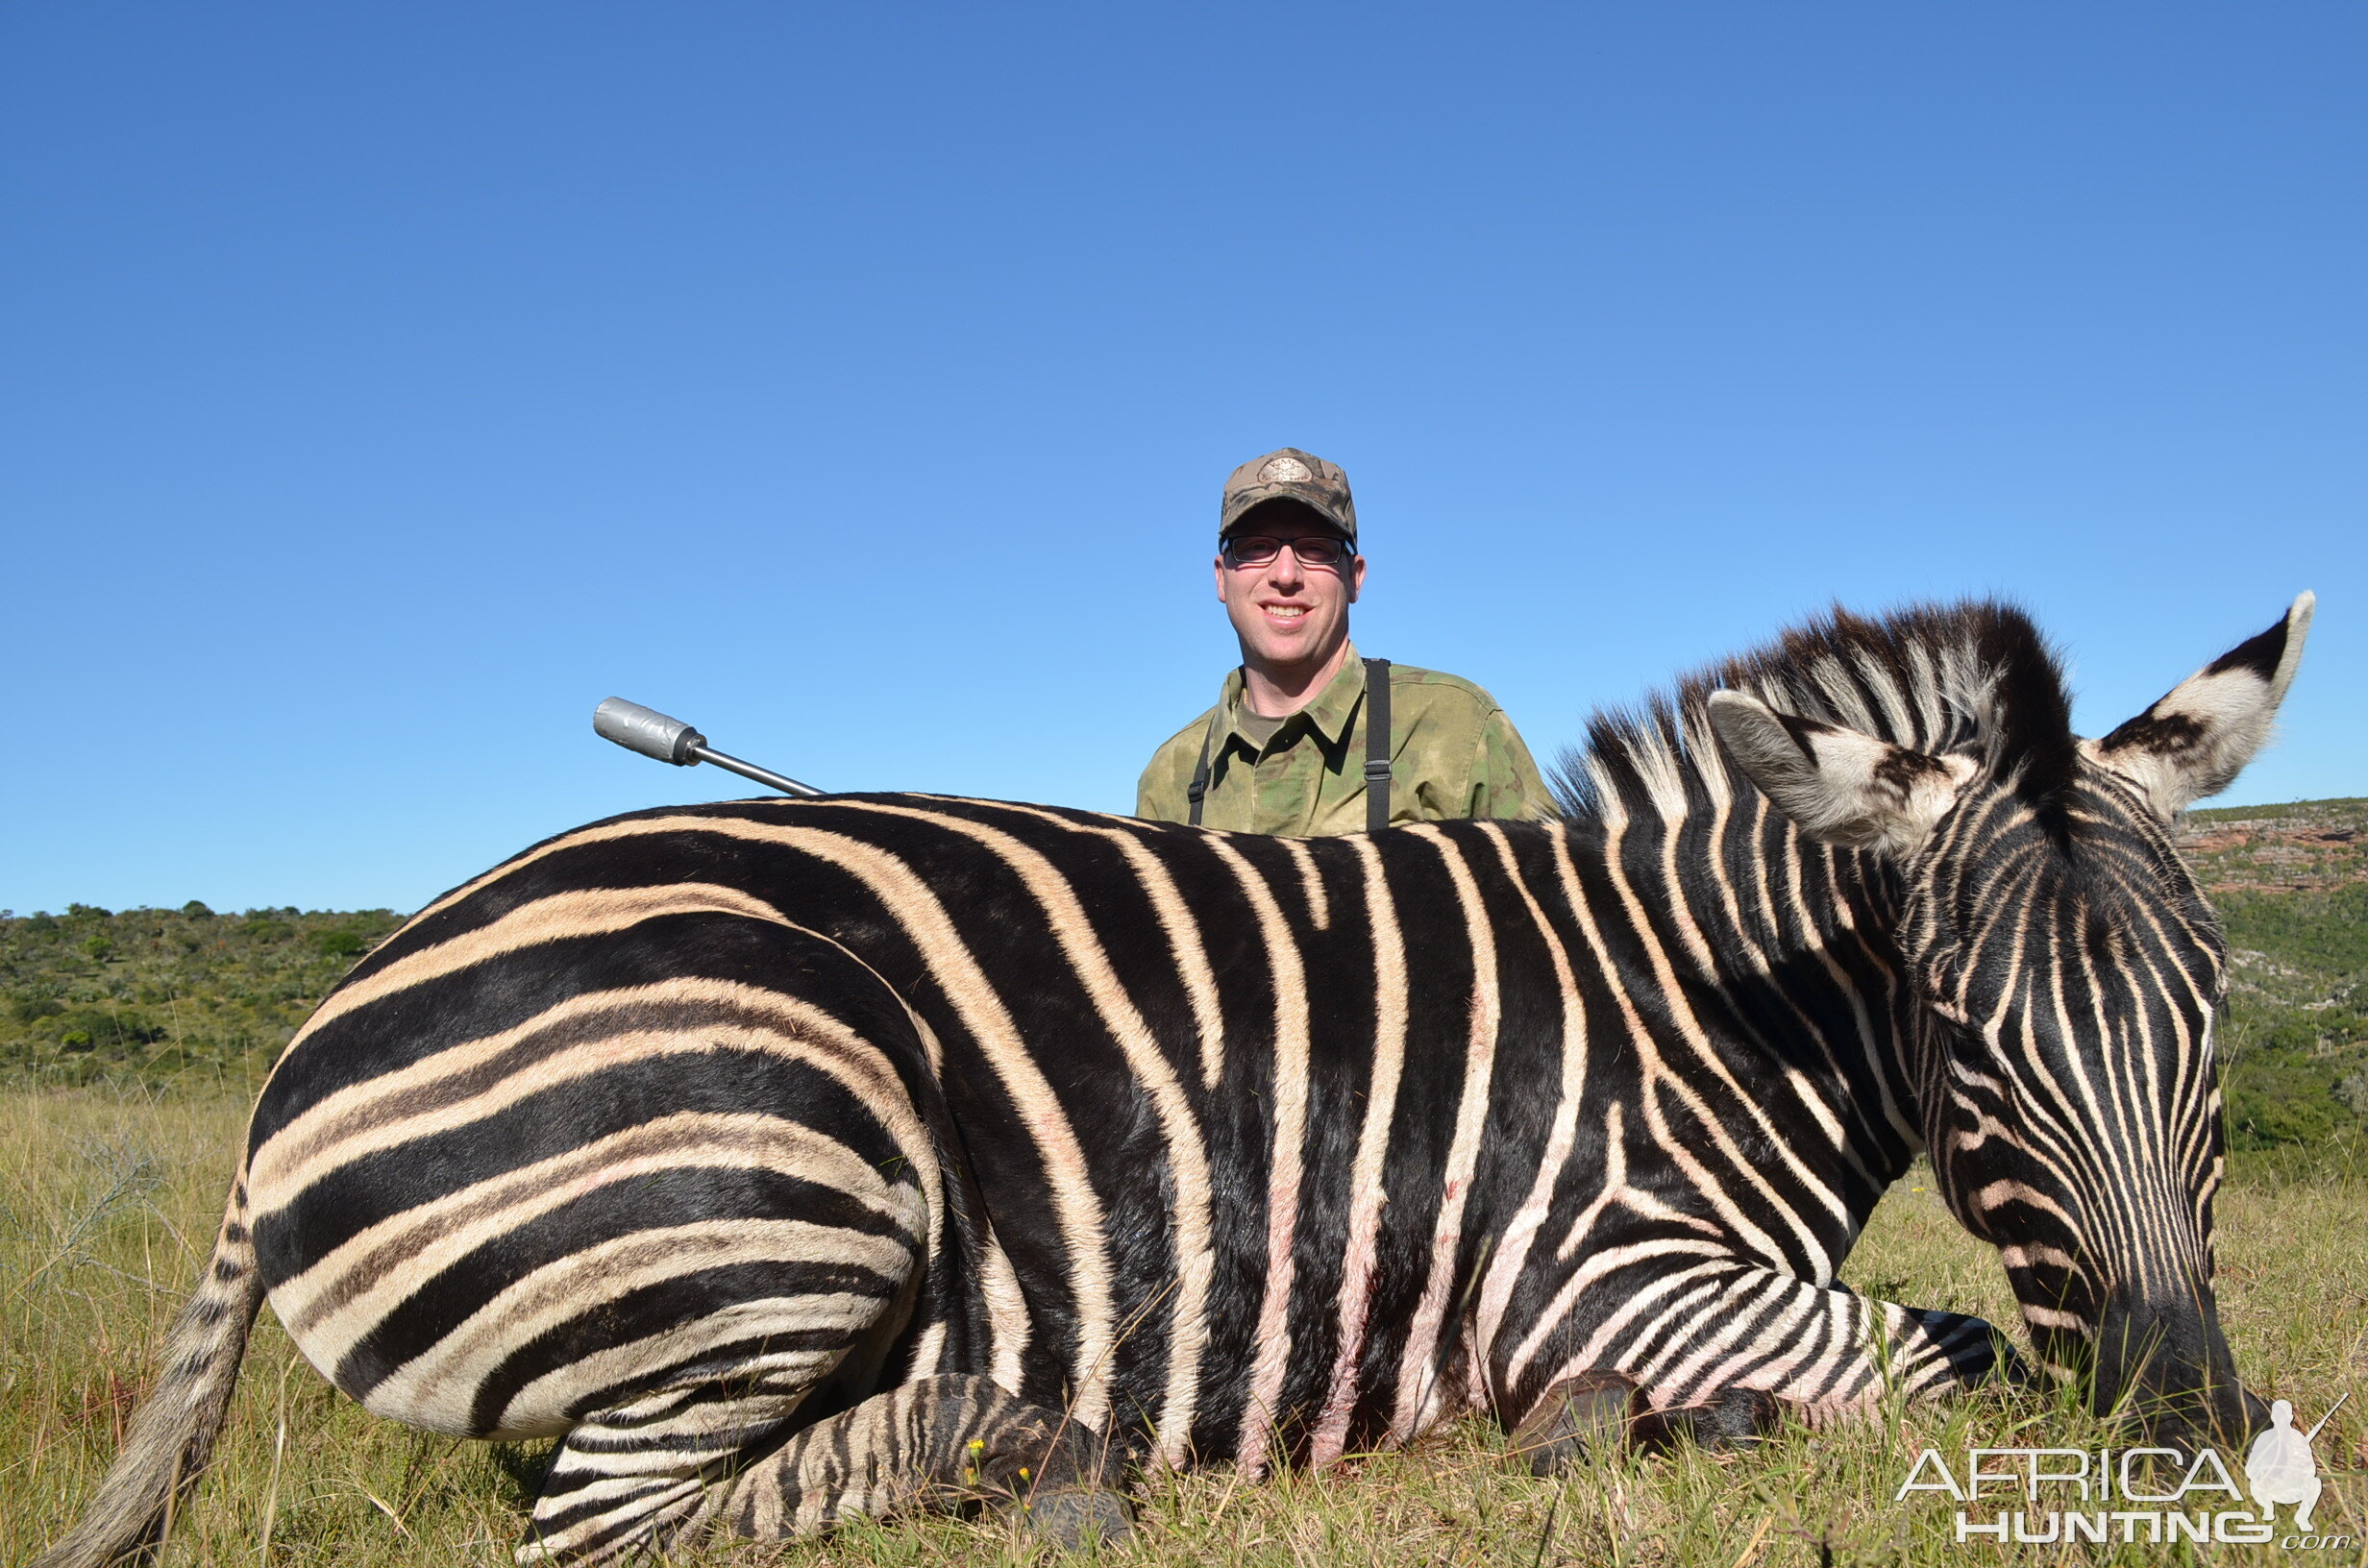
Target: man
x,y
1289,746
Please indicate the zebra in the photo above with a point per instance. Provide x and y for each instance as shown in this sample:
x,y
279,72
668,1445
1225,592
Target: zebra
x,y
796,1160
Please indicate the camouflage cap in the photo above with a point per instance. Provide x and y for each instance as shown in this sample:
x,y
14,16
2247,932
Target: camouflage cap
x,y
1288,475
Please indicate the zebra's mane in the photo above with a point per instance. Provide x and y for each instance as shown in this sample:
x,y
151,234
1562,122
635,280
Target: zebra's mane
x,y
1974,678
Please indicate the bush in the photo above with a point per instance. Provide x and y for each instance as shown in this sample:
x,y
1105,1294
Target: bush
x,y
180,991
2281,1097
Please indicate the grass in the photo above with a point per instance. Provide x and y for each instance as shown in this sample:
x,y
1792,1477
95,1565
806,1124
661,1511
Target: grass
x,y
105,1193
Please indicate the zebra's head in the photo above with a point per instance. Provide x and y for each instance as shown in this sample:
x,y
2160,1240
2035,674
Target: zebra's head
x,y
2067,971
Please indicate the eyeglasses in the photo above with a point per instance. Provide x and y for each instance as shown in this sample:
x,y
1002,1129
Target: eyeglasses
x,y
1327,552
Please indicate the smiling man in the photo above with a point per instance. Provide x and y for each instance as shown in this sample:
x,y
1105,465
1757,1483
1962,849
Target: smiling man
x,y
1307,738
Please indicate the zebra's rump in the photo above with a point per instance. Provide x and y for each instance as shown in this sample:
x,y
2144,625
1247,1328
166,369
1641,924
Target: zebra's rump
x,y
498,1189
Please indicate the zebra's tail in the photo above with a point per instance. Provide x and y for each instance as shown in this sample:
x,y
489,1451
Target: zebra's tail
x,y
172,1434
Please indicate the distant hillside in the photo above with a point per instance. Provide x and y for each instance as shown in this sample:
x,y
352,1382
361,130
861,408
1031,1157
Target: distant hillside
x,y
2291,883
156,995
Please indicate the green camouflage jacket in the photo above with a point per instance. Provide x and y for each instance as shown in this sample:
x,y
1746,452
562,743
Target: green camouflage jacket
x,y
1453,753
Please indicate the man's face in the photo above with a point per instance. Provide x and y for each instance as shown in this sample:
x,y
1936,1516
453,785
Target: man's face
x,y
1285,611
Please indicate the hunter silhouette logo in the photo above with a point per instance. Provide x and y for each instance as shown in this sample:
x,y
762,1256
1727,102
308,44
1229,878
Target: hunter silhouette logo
x,y
2281,1468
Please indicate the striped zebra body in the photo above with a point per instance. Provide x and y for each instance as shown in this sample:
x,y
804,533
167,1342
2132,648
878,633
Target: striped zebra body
x,y
802,1158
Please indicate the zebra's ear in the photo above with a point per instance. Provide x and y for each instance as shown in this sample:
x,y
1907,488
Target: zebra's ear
x,y
2198,738
1837,784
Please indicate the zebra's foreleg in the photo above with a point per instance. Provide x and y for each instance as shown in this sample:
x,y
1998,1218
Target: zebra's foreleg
x,y
1966,1351
1715,1355
1823,1348
1603,1412
938,1442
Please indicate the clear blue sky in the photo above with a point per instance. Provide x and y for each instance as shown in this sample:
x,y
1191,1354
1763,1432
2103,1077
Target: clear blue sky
x,y
380,385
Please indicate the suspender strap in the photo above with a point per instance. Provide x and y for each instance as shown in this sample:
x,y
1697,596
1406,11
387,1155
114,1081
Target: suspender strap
x,y
1199,789
1376,752
1376,745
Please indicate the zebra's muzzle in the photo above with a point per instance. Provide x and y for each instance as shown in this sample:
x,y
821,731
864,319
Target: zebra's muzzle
x,y
2166,1363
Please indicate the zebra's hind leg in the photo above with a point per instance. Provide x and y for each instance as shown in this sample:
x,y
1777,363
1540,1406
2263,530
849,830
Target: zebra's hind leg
x,y
630,1477
937,1442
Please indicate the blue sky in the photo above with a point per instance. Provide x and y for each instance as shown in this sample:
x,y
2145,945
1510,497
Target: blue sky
x,y
385,385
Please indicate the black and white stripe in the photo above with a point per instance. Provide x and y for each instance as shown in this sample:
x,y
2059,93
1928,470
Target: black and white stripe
x,y
802,1158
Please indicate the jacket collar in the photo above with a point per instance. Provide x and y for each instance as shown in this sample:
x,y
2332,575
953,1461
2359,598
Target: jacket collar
x,y
1329,715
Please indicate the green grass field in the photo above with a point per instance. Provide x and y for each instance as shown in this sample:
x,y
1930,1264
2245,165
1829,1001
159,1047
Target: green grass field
x,y
105,1195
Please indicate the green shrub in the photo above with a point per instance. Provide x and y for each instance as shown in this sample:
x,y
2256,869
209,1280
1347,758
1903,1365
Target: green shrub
x,y
181,991
2281,1097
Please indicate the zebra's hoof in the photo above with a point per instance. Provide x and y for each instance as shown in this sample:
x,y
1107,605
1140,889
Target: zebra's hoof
x,y
1733,1418
1589,1412
1070,1517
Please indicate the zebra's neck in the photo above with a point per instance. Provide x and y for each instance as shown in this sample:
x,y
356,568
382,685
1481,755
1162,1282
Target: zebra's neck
x,y
1753,969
